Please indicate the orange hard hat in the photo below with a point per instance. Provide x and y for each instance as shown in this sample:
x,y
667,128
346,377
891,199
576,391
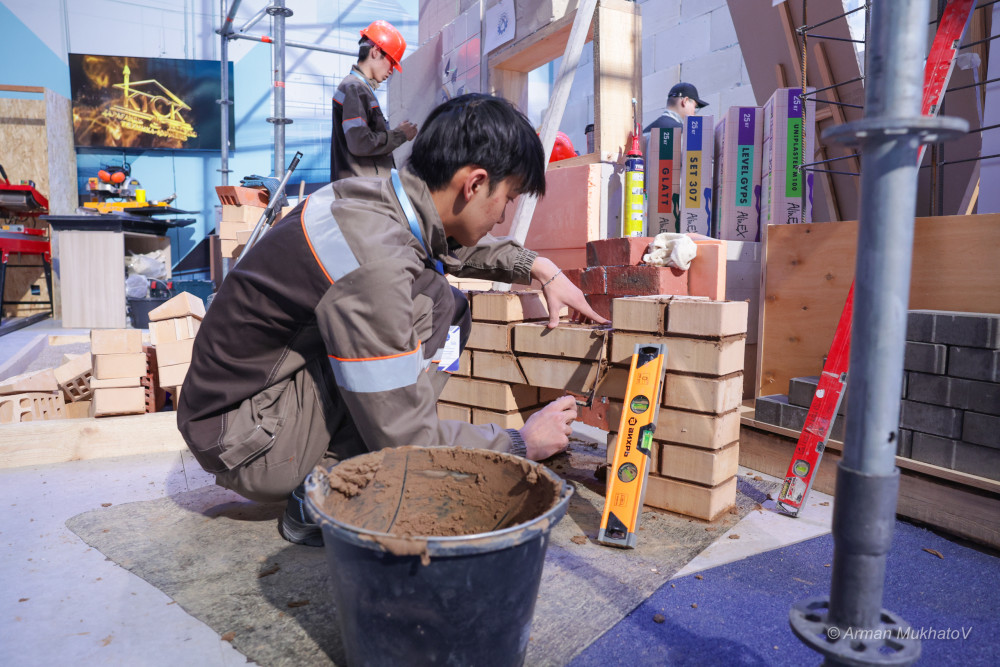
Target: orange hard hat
x,y
562,148
386,37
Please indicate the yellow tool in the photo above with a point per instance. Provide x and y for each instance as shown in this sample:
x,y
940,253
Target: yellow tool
x,y
627,475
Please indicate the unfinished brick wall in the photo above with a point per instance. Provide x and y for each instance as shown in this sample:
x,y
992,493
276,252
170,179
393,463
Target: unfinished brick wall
x,y
514,365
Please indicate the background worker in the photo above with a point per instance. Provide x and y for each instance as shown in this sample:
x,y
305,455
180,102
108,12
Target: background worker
x,y
682,101
362,143
332,335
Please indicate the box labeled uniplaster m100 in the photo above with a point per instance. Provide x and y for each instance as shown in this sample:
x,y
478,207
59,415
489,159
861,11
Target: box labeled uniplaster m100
x,y
663,180
696,181
788,124
738,189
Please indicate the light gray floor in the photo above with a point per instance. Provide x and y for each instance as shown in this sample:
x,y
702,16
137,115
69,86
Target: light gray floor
x,y
62,602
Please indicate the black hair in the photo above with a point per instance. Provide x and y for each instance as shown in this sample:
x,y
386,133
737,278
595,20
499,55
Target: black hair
x,y
482,130
364,48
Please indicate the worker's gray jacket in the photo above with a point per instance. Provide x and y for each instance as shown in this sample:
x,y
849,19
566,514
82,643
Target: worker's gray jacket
x,y
361,143
341,277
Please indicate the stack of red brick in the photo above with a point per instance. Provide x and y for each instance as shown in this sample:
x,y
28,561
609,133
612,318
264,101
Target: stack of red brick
x,y
615,269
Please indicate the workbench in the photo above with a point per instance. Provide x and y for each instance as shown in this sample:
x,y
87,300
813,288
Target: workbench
x,y
90,252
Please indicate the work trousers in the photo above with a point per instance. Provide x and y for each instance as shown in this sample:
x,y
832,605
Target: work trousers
x,y
302,422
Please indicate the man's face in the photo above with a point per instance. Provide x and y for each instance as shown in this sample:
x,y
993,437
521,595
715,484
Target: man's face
x,y
483,211
688,107
381,66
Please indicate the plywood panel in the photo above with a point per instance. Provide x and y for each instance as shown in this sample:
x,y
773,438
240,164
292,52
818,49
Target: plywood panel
x,y
810,269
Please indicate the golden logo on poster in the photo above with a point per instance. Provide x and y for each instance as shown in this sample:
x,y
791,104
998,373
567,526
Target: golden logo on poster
x,y
149,107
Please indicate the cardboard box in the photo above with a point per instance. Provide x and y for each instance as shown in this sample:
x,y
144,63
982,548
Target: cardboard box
x,y
738,190
183,305
176,352
663,181
782,184
173,376
164,331
697,156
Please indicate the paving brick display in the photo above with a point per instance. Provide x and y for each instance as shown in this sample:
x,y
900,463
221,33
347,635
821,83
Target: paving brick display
x,y
976,460
926,358
973,363
980,429
802,389
950,328
905,446
933,419
934,450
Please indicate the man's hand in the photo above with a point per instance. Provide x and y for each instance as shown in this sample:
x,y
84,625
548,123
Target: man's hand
x,y
560,291
546,432
408,128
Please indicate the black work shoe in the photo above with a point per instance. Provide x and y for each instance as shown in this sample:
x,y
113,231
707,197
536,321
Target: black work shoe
x,y
295,526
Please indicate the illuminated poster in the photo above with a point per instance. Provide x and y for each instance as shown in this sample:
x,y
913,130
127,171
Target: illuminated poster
x,y
124,102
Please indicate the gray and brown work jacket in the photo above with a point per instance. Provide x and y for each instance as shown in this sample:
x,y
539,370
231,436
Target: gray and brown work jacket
x,y
361,143
342,278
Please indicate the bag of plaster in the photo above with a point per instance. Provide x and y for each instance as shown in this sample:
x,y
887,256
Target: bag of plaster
x,y
668,249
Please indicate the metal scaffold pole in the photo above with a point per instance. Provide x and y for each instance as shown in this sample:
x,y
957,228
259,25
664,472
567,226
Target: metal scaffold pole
x,y
851,627
279,13
224,101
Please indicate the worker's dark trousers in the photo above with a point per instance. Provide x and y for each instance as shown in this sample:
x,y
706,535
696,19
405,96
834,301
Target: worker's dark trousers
x,y
310,421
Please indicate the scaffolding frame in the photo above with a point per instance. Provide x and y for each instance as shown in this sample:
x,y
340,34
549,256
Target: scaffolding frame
x,y
279,13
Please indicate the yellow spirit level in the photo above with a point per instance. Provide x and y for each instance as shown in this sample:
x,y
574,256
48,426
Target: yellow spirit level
x,y
627,475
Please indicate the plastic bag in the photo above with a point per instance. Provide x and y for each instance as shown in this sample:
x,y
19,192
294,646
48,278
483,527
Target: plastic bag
x,y
668,249
151,264
136,286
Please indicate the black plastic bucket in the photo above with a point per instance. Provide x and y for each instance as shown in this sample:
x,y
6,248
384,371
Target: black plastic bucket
x,y
411,599
139,309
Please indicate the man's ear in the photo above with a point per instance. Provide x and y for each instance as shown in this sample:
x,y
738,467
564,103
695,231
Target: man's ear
x,y
475,179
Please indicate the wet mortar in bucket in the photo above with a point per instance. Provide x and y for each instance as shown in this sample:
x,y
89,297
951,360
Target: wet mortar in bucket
x,y
436,553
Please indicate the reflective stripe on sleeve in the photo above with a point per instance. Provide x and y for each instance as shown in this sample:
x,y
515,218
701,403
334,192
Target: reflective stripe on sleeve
x,y
339,97
325,236
354,122
367,376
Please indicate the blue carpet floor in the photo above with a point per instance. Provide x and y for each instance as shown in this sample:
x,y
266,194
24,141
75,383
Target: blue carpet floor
x,y
737,614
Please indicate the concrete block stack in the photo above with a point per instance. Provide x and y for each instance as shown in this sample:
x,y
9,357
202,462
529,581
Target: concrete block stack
x,y
119,364
31,396
950,413
517,365
172,329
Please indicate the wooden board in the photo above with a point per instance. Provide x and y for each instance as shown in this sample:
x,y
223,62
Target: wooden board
x,y
809,269
960,510
59,441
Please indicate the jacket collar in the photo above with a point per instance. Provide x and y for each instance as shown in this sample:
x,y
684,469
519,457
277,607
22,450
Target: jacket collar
x,y
371,82
673,114
427,216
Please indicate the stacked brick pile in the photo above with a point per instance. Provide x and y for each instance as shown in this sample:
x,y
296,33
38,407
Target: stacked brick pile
x,y
238,222
615,269
172,328
119,364
73,377
515,364
950,413
31,397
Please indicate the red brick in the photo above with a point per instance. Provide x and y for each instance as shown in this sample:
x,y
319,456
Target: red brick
x,y
646,280
594,280
596,415
602,304
626,251
573,275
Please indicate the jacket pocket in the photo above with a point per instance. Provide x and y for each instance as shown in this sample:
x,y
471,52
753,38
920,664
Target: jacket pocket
x,y
254,425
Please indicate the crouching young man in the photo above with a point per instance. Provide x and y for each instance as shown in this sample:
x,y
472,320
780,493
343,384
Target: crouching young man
x,y
332,336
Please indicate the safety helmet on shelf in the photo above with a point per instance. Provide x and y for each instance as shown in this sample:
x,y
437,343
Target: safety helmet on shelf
x,y
386,37
562,148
